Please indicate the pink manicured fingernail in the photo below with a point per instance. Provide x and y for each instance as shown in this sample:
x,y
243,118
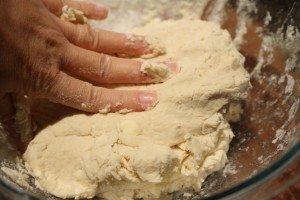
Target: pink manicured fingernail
x,y
148,100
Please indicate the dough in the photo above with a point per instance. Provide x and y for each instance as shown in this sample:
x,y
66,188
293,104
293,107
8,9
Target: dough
x,y
176,145
73,15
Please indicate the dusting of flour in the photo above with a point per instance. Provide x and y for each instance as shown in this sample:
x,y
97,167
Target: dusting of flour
x,y
174,146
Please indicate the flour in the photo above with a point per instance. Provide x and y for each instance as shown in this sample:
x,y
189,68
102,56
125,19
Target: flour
x,y
24,126
155,47
217,13
139,13
265,56
105,109
73,15
174,146
17,176
244,8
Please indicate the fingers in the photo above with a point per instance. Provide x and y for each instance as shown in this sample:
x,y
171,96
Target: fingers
x,y
102,68
91,10
104,41
86,97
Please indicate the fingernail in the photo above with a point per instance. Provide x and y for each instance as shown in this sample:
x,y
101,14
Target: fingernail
x,y
148,100
173,67
147,49
138,43
100,10
157,72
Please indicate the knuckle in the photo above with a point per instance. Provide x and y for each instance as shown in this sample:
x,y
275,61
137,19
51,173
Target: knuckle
x,y
104,67
94,39
50,38
94,96
87,36
36,77
43,70
44,73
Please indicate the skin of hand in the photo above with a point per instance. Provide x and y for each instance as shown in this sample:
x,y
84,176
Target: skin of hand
x,y
42,56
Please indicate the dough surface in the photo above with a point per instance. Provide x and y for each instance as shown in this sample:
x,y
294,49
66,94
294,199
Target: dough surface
x,y
173,146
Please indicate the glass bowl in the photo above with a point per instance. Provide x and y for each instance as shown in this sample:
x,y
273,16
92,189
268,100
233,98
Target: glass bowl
x,y
264,154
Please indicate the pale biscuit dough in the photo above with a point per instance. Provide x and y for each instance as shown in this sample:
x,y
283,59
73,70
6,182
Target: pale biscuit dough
x,y
176,145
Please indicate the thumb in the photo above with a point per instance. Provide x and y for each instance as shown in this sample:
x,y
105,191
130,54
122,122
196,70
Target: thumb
x,y
86,97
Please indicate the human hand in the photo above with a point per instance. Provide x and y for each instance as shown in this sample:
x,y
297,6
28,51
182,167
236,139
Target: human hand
x,y
45,57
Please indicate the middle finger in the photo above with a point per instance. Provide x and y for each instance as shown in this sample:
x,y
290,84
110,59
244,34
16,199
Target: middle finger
x,y
103,68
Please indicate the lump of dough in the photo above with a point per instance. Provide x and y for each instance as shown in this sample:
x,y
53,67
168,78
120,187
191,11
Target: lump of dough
x,y
174,146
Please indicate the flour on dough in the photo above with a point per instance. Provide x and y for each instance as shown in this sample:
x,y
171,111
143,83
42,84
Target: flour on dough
x,y
176,145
